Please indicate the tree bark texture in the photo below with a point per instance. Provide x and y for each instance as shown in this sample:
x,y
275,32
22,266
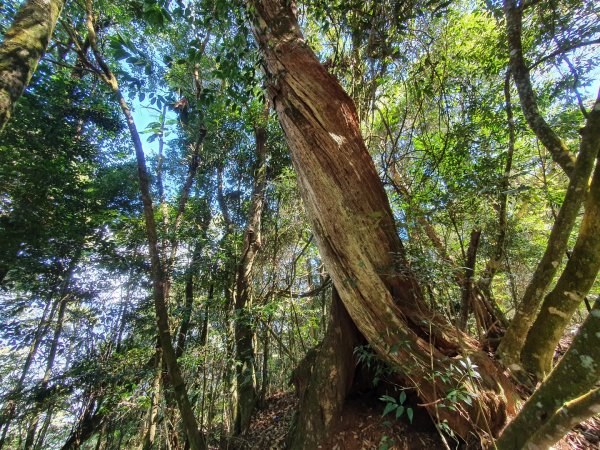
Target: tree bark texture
x,y
512,344
247,394
513,11
571,288
575,375
565,418
23,46
355,229
323,380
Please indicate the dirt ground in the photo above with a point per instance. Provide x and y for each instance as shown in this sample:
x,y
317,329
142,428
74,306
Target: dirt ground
x,y
361,427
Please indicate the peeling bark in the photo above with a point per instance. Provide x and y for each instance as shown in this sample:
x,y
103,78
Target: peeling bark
x,y
355,230
23,46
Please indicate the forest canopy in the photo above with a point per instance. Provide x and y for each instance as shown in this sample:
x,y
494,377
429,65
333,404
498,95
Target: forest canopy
x,y
225,224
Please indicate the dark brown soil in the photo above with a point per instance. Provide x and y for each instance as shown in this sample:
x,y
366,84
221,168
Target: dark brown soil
x,y
361,427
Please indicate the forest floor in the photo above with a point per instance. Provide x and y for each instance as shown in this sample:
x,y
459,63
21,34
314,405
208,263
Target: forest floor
x,y
361,427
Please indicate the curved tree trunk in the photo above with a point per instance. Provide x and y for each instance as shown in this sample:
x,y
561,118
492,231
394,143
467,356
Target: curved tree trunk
x,y
24,44
575,375
355,229
571,288
565,418
158,269
512,343
579,172
513,11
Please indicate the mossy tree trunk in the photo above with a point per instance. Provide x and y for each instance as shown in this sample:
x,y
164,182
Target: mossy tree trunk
x,y
356,233
22,47
571,288
513,12
565,418
579,172
561,393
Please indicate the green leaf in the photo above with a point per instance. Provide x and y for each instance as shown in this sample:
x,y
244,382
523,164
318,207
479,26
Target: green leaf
x,y
400,411
402,397
410,414
389,408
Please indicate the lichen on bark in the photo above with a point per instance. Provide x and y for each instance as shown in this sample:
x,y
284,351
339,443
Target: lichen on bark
x,y
573,285
569,380
22,47
578,170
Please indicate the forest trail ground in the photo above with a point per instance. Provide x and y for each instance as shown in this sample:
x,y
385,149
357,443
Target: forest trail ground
x,y
363,428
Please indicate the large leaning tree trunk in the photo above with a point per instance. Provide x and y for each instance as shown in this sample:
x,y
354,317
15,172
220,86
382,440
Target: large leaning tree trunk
x,y
356,233
24,44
